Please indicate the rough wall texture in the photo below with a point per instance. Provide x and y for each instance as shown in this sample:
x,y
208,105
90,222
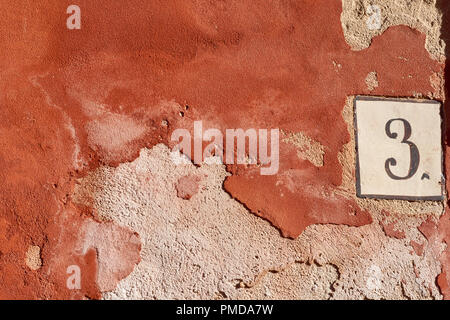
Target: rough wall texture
x,y
89,179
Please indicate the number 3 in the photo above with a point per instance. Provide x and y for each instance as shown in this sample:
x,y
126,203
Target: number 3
x,y
414,152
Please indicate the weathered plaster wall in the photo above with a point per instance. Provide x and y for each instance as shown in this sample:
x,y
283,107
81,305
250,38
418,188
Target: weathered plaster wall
x,y
211,247
88,178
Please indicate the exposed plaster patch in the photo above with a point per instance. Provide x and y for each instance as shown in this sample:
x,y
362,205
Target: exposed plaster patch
x,y
308,149
417,14
372,81
437,83
355,250
299,280
190,249
33,258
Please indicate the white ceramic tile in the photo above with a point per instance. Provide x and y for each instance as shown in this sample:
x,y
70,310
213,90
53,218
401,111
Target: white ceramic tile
x,y
389,163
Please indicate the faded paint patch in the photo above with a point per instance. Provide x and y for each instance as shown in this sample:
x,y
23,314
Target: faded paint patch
x,y
418,247
187,186
78,161
391,231
113,132
117,251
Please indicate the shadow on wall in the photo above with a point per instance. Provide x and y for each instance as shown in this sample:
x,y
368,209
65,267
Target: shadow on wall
x,y
444,6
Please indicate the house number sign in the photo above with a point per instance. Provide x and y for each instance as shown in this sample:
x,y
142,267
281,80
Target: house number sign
x,y
398,149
